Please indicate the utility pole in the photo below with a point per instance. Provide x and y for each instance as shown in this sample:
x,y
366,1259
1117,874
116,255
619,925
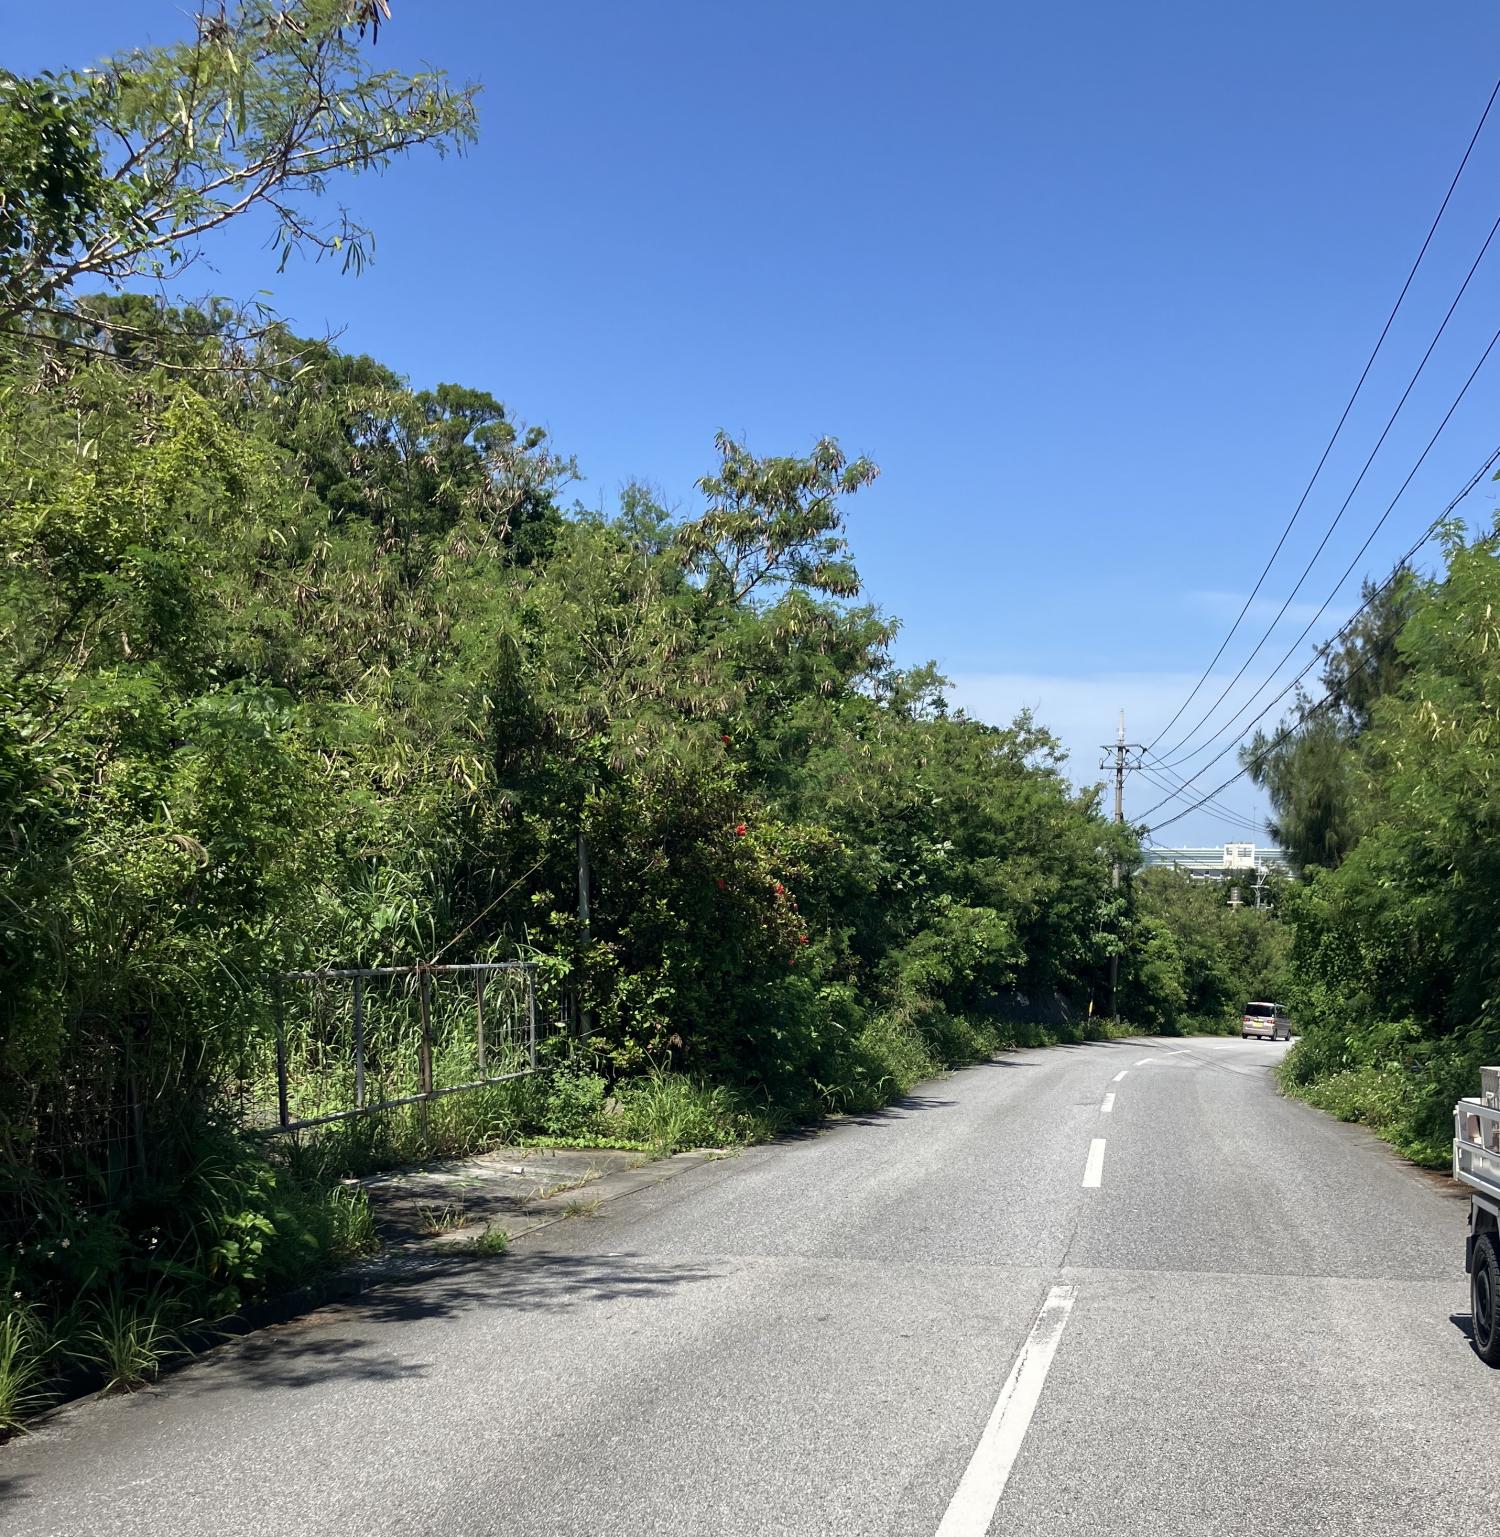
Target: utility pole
x,y
1120,751
585,877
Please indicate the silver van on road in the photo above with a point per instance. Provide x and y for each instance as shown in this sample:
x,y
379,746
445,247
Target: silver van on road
x,y
1265,1020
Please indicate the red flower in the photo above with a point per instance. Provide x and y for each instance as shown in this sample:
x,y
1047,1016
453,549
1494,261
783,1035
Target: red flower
x,y
780,889
719,882
740,830
726,741
802,939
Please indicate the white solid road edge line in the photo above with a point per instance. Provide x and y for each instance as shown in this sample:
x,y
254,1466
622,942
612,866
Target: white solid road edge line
x,y
1118,1076
1093,1170
1108,1105
972,1507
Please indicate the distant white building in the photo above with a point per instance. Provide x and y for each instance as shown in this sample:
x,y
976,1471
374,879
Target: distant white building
x,y
1229,861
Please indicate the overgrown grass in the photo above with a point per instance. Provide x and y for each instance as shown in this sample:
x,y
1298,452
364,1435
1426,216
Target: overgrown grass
x,y
447,1218
1219,1024
668,1112
493,1240
560,1106
1394,1103
128,1338
23,1368
104,1297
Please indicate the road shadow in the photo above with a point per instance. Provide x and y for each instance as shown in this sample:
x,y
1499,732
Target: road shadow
x,y
1440,1181
1464,1323
905,1107
887,1115
353,1339
283,1360
898,1110
10,1486
1088,1045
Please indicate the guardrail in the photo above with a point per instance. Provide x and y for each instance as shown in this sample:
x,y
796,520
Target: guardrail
x,y
1476,1145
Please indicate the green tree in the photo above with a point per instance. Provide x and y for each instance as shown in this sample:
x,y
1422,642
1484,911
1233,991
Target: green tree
x,y
1196,960
1306,766
300,665
54,178
1395,959
118,171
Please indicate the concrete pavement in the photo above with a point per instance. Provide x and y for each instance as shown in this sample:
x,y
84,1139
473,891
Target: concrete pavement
x,y
1259,1331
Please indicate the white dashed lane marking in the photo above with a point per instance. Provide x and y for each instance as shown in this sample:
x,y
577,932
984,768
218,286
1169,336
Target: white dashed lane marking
x,y
972,1507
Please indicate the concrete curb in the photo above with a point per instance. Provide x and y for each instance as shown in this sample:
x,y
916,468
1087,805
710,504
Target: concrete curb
x,y
555,1208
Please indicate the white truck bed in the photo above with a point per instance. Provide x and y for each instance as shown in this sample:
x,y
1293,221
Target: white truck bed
x,y
1476,1146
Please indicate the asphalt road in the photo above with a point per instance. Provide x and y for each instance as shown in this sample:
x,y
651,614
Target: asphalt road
x,y
963,1315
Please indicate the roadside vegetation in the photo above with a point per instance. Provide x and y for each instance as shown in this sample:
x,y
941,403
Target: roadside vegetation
x,y
301,665
1194,960
1386,799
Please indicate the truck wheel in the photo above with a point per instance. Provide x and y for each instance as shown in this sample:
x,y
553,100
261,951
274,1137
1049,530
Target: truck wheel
x,y
1484,1299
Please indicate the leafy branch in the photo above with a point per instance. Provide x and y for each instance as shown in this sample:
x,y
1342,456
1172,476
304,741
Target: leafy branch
x,y
123,168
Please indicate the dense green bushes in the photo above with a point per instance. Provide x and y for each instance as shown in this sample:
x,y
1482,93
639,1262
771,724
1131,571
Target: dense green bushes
x,y
257,721
302,666
1395,957
102,1293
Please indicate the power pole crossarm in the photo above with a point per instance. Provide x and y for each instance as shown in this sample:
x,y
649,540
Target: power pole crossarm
x,y
1120,771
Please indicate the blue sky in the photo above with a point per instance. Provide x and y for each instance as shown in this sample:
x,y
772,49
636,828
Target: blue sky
x,y
1091,283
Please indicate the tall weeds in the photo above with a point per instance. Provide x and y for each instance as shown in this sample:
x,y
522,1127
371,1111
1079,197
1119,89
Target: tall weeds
x,y
23,1365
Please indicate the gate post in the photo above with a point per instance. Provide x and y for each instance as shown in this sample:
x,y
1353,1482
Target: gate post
x,y
359,1042
281,1104
424,989
479,981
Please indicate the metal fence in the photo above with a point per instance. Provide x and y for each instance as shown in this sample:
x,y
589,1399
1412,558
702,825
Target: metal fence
x,y
356,1040
86,1128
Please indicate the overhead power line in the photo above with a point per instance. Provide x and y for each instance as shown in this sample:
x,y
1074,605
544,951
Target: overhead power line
x,y
1259,757
1178,789
1233,826
1344,417
1359,479
1174,781
1291,650
1317,656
